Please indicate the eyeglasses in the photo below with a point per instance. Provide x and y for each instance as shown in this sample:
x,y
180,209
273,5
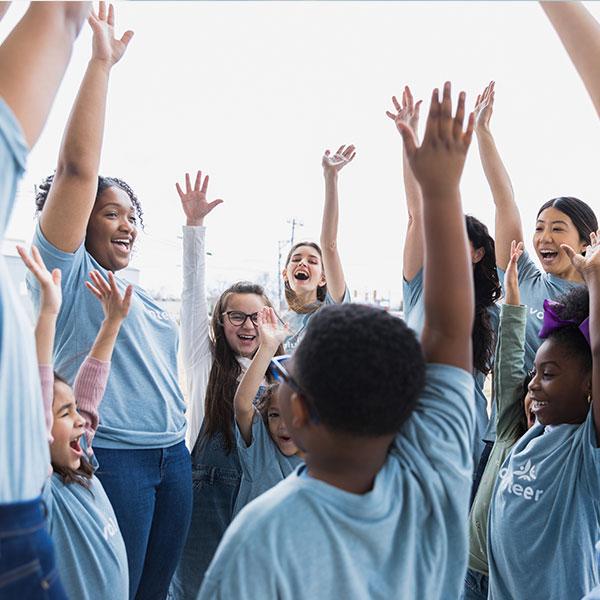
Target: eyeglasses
x,y
280,373
238,318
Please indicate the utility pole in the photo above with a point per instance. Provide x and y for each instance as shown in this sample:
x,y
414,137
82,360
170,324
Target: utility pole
x,y
281,244
295,223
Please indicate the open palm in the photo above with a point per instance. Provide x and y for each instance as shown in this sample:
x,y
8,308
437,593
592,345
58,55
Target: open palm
x,y
407,112
105,46
333,163
193,200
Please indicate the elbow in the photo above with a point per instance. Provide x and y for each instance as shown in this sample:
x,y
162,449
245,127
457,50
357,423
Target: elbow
x,y
71,168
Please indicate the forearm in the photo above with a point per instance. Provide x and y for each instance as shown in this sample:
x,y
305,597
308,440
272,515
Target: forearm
x,y
4,6
88,390
82,142
105,340
508,218
448,310
580,34
593,283
329,225
414,241
248,388
45,331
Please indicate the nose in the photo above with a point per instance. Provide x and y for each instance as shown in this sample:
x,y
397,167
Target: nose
x,y
534,384
79,421
126,225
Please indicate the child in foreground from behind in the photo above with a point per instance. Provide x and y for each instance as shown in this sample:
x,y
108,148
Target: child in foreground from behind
x,y
386,426
90,552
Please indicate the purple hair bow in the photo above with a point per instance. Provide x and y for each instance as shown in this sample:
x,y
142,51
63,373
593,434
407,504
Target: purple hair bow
x,y
552,322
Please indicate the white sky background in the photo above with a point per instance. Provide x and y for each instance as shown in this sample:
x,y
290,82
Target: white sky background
x,y
252,93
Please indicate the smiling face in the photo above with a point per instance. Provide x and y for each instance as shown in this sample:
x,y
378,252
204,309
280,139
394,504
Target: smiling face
x,y
560,388
67,428
278,430
112,229
242,339
304,271
553,228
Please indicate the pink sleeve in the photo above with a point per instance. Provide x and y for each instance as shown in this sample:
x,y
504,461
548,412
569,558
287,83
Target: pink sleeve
x,y
88,389
47,381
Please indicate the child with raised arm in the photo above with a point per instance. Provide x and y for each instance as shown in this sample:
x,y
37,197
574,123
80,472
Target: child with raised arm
x,y
313,275
513,419
266,450
485,276
33,59
380,509
563,220
91,557
543,519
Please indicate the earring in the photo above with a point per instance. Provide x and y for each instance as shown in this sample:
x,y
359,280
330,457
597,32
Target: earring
x,y
589,398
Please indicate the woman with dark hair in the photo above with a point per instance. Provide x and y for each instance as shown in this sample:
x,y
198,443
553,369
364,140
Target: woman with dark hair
x,y
216,354
559,221
313,275
89,223
485,277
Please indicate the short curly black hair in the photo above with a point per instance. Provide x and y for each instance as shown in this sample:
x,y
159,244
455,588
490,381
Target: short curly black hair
x,y
574,305
42,190
362,368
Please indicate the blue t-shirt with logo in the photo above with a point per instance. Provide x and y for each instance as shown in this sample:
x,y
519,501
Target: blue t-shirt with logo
x,y
298,322
263,464
414,316
535,285
90,552
24,456
406,538
545,516
143,406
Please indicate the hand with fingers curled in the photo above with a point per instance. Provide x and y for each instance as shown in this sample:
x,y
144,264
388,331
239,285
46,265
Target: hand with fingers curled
x,y
588,264
334,163
114,305
105,46
407,112
193,200
439,161
272,331
50,282
484,107
511,277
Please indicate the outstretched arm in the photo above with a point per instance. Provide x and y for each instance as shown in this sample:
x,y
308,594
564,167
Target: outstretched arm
x,y
408,113
33,60
71,198
448,278
580,34
332,265
588,267
272,335
92,376
508,218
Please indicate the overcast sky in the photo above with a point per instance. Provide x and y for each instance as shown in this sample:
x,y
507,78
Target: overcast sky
x,y
252,93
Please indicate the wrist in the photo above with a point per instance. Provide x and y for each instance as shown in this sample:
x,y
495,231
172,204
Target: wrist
x,y
591,276
330,176
112,324
195,222
103,64
48,314
483,130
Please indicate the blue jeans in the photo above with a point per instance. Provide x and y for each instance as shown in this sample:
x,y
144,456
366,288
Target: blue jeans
x,y
476,586
151,493
27,567
216,476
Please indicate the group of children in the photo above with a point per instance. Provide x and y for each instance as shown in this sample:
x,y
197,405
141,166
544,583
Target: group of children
x,y
292,471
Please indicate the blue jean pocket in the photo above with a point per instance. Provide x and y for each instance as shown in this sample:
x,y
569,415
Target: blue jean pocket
x,y
203,475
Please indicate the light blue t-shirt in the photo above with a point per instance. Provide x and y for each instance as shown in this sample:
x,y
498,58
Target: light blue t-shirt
x,y
299,321
545,516
263,464
535,285
90,552
24,456
414,315
143,406
405,539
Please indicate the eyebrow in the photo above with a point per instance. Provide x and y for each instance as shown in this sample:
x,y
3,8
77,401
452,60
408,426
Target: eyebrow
x,y
309,256
554,222
130,208
549,362
64,406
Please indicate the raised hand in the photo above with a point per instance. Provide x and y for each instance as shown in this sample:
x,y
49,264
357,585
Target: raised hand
x,y
511,277
407,112
334,163
193,200
105,47
484,107
272,332
49,282
590,262
439,161
114,306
